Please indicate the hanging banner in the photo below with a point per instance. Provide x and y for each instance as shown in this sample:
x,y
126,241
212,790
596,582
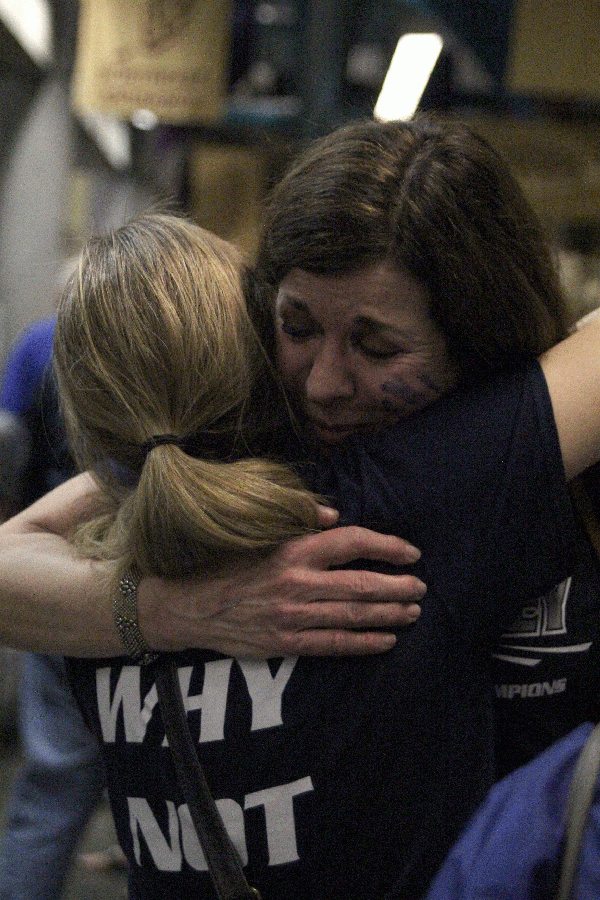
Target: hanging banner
x,y
555,49
170,57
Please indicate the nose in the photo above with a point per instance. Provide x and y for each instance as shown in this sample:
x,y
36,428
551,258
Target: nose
x,y
330,378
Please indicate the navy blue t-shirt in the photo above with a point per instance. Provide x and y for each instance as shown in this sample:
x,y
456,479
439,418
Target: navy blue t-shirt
x,y
546,665
350,778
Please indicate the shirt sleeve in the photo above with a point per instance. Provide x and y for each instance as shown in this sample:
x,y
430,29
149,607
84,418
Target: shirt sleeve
x,y
25,368
477,483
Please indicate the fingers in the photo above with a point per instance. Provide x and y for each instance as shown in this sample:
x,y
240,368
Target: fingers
x,y
340,546
327,516
360,585
329,642
338,643
344,614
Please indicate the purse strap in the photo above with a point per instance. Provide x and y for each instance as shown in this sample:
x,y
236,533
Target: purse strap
x,y
221,856
579,802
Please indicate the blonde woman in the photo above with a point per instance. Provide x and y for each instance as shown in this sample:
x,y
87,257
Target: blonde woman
x,y
335,778
174,405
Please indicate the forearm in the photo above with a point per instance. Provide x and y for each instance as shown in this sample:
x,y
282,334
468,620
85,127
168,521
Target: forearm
x,y
52,601
295,601
572,371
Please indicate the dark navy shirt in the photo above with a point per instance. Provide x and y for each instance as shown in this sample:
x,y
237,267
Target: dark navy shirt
x,y
546,666
341,778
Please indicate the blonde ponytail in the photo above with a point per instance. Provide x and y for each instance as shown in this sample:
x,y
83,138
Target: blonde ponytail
x,y
153,337
211,511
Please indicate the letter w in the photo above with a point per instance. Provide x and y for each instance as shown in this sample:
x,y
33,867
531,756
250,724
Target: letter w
x,y
127,698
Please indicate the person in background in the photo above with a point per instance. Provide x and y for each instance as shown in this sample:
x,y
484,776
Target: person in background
x,y
61,779
27,393
14,449
513,846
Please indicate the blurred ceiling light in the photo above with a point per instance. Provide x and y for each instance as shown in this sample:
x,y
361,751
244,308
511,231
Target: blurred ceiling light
x,y
408,74
29,22
366,65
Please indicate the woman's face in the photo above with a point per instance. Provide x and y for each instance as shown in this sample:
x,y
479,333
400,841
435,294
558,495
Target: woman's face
x,y
357,351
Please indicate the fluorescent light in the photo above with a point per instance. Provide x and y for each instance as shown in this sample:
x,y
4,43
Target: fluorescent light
x,y
408,74
29,22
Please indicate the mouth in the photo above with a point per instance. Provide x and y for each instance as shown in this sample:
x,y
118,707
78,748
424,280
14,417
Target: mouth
x,y
332,434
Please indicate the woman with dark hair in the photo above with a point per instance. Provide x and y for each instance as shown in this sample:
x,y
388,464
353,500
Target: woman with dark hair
x,y
433,201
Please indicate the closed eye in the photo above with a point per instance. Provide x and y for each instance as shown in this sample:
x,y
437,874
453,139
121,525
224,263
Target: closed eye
x,y
379,350
370,353
298,331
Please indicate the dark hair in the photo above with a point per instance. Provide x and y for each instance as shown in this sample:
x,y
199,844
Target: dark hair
x,y
438,201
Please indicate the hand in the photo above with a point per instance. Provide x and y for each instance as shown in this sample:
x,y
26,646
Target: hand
x,y
290,602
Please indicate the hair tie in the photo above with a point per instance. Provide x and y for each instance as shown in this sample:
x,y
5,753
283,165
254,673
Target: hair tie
x,y
216,446
157,440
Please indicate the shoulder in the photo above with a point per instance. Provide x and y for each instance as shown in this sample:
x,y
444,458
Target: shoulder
x,y
26,365
516,835
35,343
464,437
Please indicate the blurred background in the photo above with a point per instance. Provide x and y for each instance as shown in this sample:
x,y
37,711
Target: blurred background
x,y
108,106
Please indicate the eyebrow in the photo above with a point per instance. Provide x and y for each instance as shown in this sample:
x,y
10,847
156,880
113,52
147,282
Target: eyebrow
x,y
293,301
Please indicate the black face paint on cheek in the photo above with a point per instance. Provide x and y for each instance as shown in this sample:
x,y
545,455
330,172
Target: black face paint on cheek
x,y
404,393
401,391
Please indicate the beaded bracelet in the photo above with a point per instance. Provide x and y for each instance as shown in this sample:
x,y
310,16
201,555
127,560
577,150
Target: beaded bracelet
x,y
126,618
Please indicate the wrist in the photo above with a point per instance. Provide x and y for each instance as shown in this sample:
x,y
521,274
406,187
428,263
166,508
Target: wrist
x,y
125,614
158,616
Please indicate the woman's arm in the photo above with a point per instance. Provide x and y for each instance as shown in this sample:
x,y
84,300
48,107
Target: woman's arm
x,y
572,371
51,600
